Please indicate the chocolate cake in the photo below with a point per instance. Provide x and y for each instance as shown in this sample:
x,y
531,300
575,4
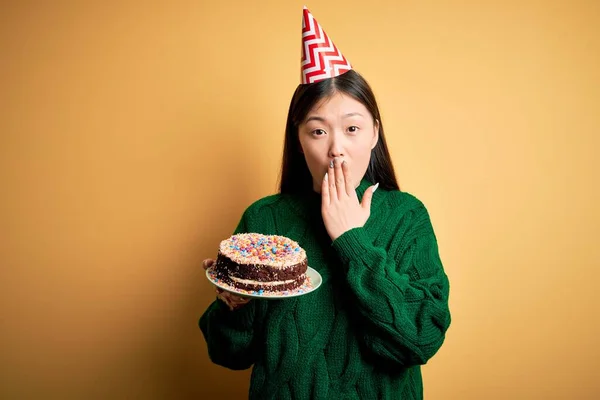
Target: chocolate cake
x,y
255,262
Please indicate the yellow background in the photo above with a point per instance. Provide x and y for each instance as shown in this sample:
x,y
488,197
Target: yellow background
x,y
134,133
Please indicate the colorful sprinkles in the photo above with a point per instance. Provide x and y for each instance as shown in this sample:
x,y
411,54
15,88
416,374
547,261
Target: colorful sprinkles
x,y
306,287
255,248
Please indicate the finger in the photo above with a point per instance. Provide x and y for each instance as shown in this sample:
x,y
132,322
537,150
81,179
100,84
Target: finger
x,y
234,306
234,301
331,179
237,297
348,180
325,190
340,182
231,306
223,296
208,263
239,300
233,298
368,196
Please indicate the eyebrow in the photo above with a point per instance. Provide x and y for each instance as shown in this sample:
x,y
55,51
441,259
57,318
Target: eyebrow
x,y
321,119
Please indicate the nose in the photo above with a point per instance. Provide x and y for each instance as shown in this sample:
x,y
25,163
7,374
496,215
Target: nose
x,y
336,148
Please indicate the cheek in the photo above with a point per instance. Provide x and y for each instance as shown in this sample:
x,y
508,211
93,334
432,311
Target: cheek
x,y
313,161
361,155
312,152
361,150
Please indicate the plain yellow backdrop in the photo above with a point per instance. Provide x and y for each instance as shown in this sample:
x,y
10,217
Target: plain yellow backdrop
x,y
134,133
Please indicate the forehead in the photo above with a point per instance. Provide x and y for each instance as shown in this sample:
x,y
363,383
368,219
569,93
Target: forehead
x,y
336,105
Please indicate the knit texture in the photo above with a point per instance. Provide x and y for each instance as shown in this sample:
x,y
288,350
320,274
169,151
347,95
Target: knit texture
x,y
381,312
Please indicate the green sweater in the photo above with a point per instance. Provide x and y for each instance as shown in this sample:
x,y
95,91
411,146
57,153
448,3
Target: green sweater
x,y
381,312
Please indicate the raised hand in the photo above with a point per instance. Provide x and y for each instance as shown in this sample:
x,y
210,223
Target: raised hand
x,y
340,207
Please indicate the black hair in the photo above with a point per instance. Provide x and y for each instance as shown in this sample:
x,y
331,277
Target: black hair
x,y
295,175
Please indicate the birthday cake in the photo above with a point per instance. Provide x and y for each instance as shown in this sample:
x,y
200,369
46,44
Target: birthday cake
x,y
256,262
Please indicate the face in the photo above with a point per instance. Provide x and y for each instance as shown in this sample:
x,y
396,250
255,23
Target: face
x,y
338,127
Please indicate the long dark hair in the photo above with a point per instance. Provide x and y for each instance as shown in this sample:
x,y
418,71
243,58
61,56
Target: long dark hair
x,y
295,175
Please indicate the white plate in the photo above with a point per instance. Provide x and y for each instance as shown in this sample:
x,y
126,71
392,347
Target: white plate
x,y
312,283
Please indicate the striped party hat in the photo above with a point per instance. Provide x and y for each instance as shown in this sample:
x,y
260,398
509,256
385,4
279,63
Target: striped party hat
x,y
321,59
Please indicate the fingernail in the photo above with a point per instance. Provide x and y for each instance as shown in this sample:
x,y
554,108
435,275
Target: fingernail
x,y
375,187
331,164
325,175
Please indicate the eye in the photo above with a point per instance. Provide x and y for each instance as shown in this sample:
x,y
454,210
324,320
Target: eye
x,y
353,129
318,132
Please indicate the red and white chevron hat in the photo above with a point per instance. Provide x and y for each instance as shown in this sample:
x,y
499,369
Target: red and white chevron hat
x,y
320,58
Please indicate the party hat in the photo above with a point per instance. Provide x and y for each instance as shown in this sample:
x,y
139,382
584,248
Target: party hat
x,y
321,59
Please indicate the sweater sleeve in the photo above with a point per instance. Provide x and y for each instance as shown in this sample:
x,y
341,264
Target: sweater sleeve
x,y
400,294
230,335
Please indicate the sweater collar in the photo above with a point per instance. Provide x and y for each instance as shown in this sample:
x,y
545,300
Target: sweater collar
x,y
362,188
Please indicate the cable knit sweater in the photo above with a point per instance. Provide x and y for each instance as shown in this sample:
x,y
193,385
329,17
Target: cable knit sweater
x,y
381,312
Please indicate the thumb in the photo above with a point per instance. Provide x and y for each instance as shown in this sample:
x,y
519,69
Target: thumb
x,y
208,263
368,196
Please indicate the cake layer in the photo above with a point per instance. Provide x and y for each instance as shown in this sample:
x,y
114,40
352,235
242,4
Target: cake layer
x,y
274,286
259,272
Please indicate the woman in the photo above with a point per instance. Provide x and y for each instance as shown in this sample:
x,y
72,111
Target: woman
x,y
382,309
